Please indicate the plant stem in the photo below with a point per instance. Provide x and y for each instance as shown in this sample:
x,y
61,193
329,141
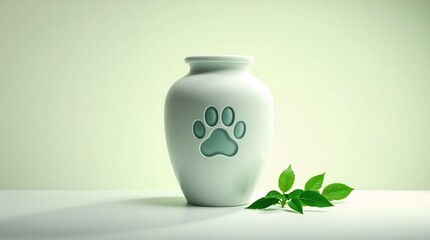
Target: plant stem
x,y
283,202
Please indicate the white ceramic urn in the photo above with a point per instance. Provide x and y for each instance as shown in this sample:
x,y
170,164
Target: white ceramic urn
x,y
219,126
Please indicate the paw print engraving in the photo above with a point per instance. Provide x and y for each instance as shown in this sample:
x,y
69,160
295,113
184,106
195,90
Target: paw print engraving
x,y
218,141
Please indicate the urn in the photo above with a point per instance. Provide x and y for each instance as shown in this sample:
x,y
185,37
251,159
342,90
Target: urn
x,y
218,125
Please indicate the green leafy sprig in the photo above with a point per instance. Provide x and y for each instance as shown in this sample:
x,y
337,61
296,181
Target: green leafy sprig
x,y
298,198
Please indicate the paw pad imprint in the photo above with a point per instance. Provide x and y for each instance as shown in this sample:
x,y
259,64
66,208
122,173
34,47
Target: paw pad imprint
x,y
218,141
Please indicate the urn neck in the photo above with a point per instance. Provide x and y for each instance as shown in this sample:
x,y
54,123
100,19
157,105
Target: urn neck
x,y
203,64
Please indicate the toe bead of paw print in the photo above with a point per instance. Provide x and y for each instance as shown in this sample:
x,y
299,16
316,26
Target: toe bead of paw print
x,y
211,116
199,129
219,141
227,116
239,130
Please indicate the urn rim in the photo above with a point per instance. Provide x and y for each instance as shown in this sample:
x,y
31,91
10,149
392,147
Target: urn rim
x,y
220,58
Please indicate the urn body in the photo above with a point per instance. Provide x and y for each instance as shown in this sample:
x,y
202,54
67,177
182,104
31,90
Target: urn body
x,y
218,127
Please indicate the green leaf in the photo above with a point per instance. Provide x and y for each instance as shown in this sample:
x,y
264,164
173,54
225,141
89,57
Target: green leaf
x,y
336,191
263,203
315,183
314,199
295,194
286,179
274,194
296,205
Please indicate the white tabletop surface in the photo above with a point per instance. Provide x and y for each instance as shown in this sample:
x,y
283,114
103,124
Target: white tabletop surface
x,y
166,215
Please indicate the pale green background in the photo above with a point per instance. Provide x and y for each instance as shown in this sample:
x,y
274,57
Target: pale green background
x,y
82,87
